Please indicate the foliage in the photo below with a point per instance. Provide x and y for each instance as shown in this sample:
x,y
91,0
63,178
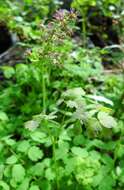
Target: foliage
x,y
61,120
100,10
31,10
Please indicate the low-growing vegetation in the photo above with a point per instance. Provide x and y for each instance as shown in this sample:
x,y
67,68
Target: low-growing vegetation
x,y
61,95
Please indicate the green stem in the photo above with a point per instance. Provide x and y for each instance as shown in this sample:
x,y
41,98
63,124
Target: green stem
x,y
53,140
44,89
84,29
55,163
44,94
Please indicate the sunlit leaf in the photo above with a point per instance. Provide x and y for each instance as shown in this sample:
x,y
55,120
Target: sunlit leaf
x,y
106,120
79,152
100,99
18,172
11,160
4,185
35,153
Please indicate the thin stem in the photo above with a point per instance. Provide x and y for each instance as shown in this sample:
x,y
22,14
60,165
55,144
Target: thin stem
x,y
54,158
84,29
55,163
44,93
53,140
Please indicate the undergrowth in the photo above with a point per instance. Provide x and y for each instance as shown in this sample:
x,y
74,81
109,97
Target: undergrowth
x,y
61,120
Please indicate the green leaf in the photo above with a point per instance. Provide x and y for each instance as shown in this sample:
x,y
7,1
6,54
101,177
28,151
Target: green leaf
x,y
8,71
23,146
77,128
70,165
38,169
34,187
118,171
55,128
93,126
38,136
9,141
79,152
98,178
107,183
24,184
46,185
108,161
119,151
2,169
7,171
11,160
13,183
3,116
79,140
100,99
4,185
47,162
95,155
35,153
74,93
61,153
49,174
106,120
31,125
18,172
64,136
110,146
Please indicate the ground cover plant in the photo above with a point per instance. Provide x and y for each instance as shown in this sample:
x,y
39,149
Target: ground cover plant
x,y
61,108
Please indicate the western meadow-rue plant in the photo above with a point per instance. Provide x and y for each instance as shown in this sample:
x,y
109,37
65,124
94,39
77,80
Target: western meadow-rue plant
x,y
57,124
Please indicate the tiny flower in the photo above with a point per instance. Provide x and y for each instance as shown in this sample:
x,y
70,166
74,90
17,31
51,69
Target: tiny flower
x,y
60,14
73,14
